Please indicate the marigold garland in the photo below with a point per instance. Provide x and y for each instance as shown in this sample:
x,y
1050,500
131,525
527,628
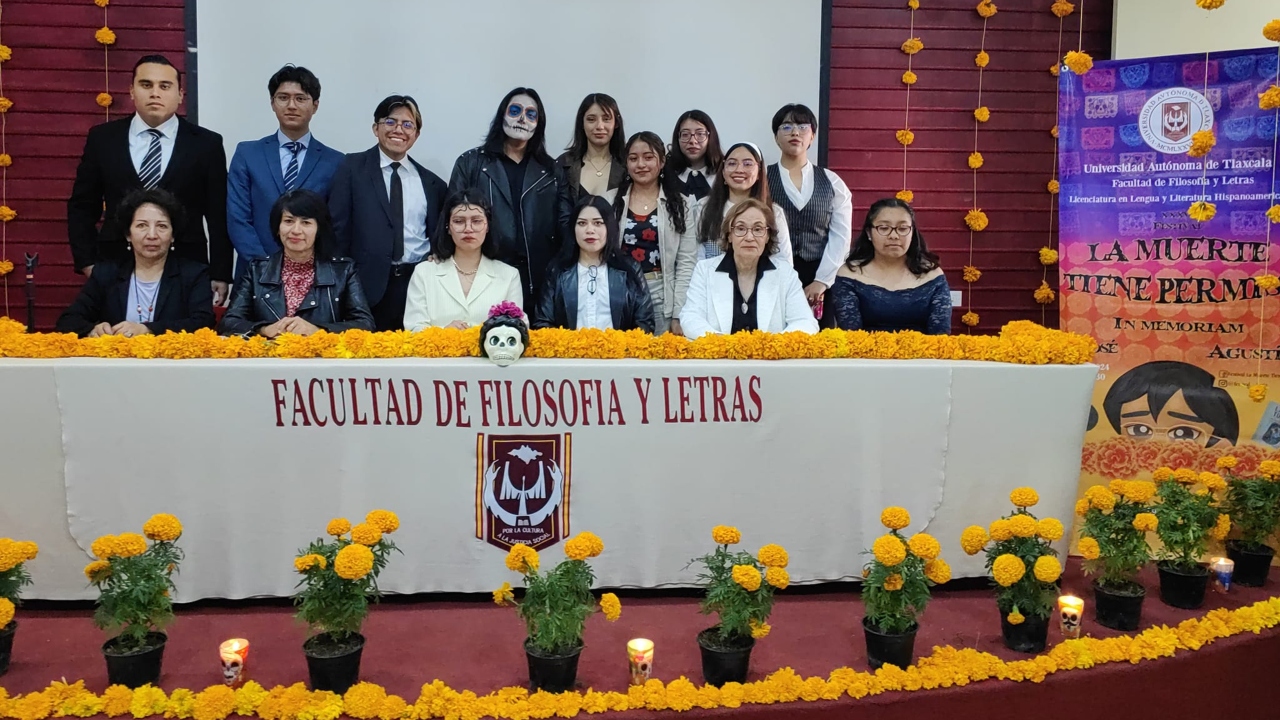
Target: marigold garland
x,y
1210,4
913,4
975,160
1267,282
1270,100
982,59
970,318
1078,62
1062,8
1044,294
905,137
1271,31
7,213
1258,392
1048,256
5,104
982,114
1273,213
104,100
986,8
912,46
905,196
971,274
1054,187
909,78
976,220
6,267
1201,143
105,36
1202,211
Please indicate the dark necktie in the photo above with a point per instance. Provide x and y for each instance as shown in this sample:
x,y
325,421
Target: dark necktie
x,y
149,173
697,185
397,214
291,172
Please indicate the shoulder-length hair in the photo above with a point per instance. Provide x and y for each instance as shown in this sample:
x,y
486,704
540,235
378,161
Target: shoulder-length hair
x,y
306,204
919,259
713,211
669,183
578,147
159,197
771,222
611,253
537,146
442,245
677,162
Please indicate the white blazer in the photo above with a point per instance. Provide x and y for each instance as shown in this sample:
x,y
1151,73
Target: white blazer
x,y
435,296
712,249
780,302
678,252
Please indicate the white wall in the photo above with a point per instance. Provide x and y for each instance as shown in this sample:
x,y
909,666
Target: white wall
x,y
1151,28
658,58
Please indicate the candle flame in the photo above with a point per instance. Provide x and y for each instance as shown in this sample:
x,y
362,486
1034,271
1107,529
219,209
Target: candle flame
x,y
640,645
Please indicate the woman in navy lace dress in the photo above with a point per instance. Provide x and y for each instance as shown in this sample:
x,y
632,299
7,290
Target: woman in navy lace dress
x,y
891,281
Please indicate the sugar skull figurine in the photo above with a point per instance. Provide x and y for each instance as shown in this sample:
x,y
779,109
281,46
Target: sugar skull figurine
x,y
504,335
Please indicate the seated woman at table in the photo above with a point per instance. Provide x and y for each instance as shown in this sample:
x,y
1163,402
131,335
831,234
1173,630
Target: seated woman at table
x,y
746,289
152,292
741,176
302,288
592,284
463,279
891,281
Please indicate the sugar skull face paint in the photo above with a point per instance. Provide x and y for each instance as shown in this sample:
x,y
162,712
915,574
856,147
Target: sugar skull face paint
x,y
521,118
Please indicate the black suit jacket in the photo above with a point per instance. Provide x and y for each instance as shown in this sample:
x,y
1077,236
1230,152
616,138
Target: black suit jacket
x,y
630,305
361,212
334,303
184,301
196,175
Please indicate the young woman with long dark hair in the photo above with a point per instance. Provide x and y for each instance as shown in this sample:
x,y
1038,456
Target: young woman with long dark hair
x,y
741,177
695,154
594,163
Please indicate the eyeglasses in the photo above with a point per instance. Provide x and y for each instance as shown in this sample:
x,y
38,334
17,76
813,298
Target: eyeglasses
x,y
515,110
299,99
592,271
744,164
462,223
788,128
887,230
392,124
758,231
699,135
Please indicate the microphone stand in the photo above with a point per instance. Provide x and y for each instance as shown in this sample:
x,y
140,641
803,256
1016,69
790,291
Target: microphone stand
x,y
32,262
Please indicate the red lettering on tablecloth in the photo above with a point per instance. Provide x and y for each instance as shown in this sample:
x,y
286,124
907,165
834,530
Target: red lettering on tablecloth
x,y
753,388
276,387
643,392
311,400
374,385
573,403
412,403
701,382
299,406
357,418
718,390
533,417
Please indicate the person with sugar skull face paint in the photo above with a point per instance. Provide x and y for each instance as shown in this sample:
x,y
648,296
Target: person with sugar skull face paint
x,y
527,191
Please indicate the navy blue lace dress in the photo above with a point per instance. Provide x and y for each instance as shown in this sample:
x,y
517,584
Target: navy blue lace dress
x,y
860,306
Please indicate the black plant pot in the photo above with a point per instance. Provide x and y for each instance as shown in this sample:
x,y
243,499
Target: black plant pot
x,y
723,663
333,664
1029,636
1182,589
1253,563
6,644
1118,608
884,648
552,673
135,668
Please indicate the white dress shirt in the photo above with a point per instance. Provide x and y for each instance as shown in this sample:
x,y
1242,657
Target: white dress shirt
x,y
416,245
705,172
286,155
841,231
140,141
593,308
782,254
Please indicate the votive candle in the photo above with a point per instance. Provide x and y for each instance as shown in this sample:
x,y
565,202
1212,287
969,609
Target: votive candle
x,y
1070,610
640,660
1221,570
234,655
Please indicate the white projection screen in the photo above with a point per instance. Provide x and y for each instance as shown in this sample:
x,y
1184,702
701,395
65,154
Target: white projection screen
x,y
458,58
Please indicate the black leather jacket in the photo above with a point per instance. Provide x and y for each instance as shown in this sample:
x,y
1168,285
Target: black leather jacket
x,y
334,303
629,300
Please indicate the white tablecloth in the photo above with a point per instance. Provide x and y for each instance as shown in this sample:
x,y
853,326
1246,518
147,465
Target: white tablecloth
x,y
801,453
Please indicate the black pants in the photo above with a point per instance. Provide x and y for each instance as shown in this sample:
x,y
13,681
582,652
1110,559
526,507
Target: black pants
x,y
388,313
808,270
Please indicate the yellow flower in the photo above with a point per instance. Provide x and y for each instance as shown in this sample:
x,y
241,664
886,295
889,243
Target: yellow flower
x,y
982,114
1139,491
7,213
895,518
889,550
104,547
97,570
1082,507
101,3
1210,4
503,595
1001,530
1162,474
1015,618
1221,527
5,104
1054,187
1269,100
116,700
1061,8
1269,469
909,78
937,571
1044,294
1258,392
975,160
105,36
905,196
6,611
1089,548
1050,529
1271,31
353,562
1213,481
1024,497
1008,569
306,562
912,46
759,630
338,527
905,137
104,100
385,520
973,539
1186,476
363,700
746,576
773,556
976,220
130,545
522,559
986,9
1023,526
1202,211
1055,70
1054,131
924,546
726,535
1226,462
1047,569
1078,62
893,583
366,534
577,548
1048,256
215,702
611,606
970,318
1201,143
1273,213
1145,522
777,577
163,527
981,59
6,53
1267,282
971,274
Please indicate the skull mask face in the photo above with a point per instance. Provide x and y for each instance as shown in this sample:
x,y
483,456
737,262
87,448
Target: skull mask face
x,y
1070,620
503,345
520,119
232,665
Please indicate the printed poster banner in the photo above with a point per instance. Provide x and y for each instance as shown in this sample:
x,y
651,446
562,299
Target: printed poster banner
x,y
1172,301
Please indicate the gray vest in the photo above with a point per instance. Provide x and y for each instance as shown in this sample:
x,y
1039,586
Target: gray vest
x,y
808,227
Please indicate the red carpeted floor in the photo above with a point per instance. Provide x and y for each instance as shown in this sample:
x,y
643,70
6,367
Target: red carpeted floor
x,y
477,646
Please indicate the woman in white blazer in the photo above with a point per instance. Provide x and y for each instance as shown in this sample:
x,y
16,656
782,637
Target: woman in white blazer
x,y
745,289
461,279
741,176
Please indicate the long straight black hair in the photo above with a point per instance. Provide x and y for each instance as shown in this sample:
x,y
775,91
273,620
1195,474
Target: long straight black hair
x,y
677,162
669,183
713,211
578,147
611,254
919,259
537,145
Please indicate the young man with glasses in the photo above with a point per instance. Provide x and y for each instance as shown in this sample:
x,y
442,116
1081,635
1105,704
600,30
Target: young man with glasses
x,y
384,207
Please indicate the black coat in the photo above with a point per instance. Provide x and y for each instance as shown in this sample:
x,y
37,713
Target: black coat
x,y
334,303
629,300
196,175
184,300
361,212
571,170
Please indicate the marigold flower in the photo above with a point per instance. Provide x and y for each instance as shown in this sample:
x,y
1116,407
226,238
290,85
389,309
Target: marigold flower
x,y
893,583
986,9
911,46
1023,526
1271,31
982,114
1273,213
1050,529
130,545
1001,530
1226,462
522,559
1078,62
889,550
1100,498
1024,497
747,576
577,548
338,527
1201,143
97,570
970,318
1257,392
7,214
909,78
1270,100
981,59
1213,481
1015,618
975,160
1054,187
913,4
611,606
1047,569
105,36
1062,8
5,104
1210,4
1089,548
101,3
353,562
759,630
772,555
1139,491
104,99
1044,294
503,594
937,571
1008,569
163,527
905,196
1055,70
366,534
1221,527
1267,282
1082,507
306,562
895,518
1202,211
924,546
973,539
104,547
6,612
384,520
1048,256
1054,131
6,159
6,53
1186,476
777,577
971,274
905,137
1162,474
1269,469
976,220
1145,522
726,535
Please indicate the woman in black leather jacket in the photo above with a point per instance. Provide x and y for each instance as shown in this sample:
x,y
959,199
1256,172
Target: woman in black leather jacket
x,y
592,283
302,288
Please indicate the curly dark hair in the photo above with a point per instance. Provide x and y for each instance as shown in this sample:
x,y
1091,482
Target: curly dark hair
x,y
159,197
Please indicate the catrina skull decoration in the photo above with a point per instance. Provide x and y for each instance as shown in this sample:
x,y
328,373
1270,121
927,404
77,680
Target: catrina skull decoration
x,y
504,336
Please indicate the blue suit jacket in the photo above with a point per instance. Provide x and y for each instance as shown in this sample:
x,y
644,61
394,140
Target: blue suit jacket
x,y
255,181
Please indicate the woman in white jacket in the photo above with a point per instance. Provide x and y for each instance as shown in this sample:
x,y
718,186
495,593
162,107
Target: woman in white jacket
x,y
744,289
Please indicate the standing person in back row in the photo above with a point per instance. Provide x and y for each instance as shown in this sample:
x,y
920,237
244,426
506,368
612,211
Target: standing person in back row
x,y
149,149
527,191
817,204
288,159
385,206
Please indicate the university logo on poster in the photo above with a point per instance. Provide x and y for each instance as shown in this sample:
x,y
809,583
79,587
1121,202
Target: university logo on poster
x,y
522,489
1169,119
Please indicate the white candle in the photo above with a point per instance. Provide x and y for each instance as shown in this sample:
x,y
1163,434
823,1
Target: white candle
x,y
1222,569
640,660
234,654
1071,610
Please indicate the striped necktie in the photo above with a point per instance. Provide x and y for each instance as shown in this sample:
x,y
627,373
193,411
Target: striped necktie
x,y
149,173
291,172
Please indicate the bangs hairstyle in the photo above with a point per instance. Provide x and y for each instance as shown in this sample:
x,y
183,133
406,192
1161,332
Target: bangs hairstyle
x,y
709,228
391,103
919,259
796,113
159,197
442,245
669,184
306,204
578,147
735,212
1159,381
611,253
677,162
155,60
306,80
537,145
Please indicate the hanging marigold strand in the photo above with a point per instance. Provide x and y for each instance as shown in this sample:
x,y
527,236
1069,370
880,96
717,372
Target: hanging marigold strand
x,y
905,137
106,37
975,219
6,213
1268,282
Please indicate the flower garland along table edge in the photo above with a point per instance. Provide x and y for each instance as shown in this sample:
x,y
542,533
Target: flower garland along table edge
x,y
945,667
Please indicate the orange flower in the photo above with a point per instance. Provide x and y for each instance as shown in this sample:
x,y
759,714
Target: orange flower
x,y
909,78
976,220
1078,62
982,114
7,213
1201,143
105,36
911,46
1270,100
986,9
1062,8
970,318
1045,294
981,59
971,274
905,196
975,160
1202,211
905,137
1054,187
104,99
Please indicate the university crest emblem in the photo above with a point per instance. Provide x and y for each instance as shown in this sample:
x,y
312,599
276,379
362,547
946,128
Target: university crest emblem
x,y
522,489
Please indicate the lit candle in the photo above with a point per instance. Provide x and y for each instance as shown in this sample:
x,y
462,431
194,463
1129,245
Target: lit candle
x,y
1222,569
640,659
1071,610
234,654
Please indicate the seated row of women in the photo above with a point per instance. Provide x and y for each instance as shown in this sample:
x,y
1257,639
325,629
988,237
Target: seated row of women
x,y
890,280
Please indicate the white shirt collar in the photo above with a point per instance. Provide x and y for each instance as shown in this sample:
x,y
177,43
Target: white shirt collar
x,y
169,127
386,161
305,139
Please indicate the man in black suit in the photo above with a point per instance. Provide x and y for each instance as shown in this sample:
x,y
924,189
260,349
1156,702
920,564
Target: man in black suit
x,y
152,148
385,207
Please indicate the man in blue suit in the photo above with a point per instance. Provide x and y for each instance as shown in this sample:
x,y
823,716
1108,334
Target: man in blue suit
x,y
288,159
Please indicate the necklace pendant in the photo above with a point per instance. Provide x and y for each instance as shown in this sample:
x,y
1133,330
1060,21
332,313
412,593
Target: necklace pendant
x,y
599,173
744,308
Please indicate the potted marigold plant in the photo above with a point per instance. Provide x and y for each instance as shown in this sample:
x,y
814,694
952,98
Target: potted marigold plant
x,y
1024,564
1114,524
895,589
1253,503
339,579
14,554
739,590
135,603
555,609
1188,517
